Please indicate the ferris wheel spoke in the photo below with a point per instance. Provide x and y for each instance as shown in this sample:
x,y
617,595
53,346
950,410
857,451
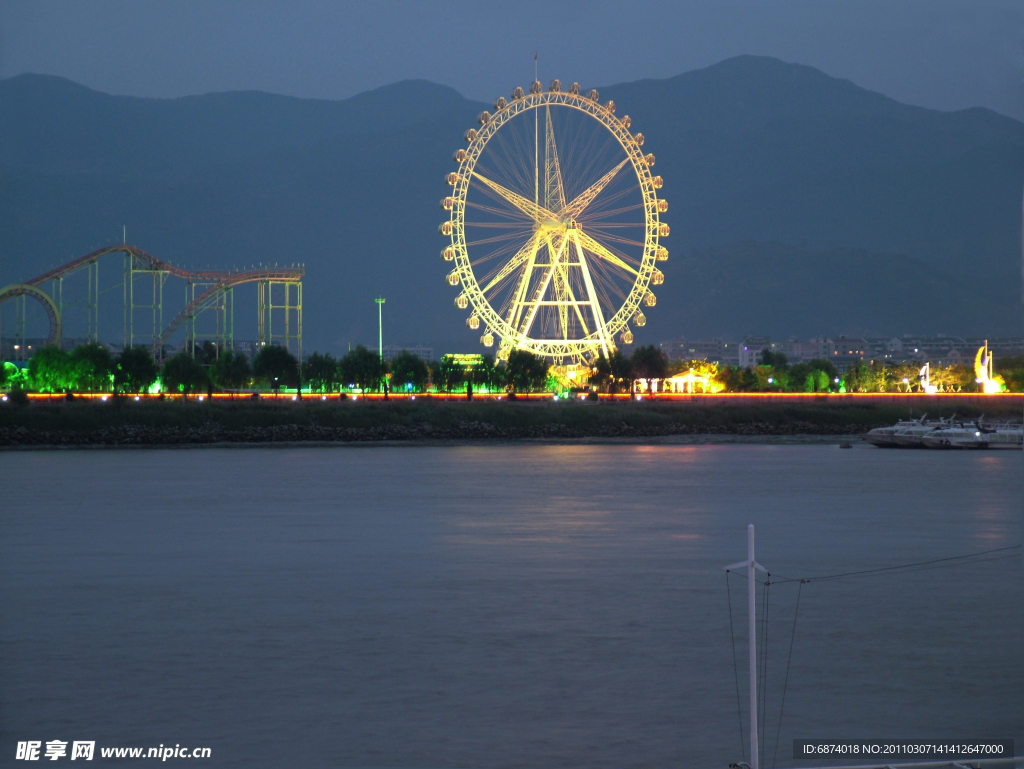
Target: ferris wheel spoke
x,y
495,239
598,207
528,207
585,198
599,250
517,261
516,309
512,213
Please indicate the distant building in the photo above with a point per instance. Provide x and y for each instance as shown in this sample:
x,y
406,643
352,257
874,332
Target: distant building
x,y
713,350
392,351
751,349
843,352
247,347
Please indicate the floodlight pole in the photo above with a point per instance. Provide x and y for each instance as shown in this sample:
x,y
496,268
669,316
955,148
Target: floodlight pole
x,y
751,566
380,326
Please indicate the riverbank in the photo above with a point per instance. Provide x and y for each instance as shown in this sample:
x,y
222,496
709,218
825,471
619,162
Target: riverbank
x,y
125,422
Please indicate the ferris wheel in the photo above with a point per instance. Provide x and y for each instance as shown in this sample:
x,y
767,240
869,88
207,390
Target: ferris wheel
x,y
554,228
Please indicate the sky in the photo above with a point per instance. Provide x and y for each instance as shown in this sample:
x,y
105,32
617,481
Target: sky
x,y
942,54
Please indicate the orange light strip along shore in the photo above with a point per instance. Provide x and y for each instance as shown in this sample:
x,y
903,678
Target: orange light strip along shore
x,y
641,397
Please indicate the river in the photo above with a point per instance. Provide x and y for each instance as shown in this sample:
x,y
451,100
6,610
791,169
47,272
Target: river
x,y
502,605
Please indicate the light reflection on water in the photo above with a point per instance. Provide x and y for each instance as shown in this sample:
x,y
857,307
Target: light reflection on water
x,y
498,606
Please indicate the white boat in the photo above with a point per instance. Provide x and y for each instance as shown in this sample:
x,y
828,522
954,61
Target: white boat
x,y
976,436
912,435
884,437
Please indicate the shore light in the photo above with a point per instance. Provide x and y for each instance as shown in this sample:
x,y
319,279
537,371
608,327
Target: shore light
x,y
103,398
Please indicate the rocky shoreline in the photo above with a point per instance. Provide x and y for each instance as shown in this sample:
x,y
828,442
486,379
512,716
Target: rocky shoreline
x,y
212,433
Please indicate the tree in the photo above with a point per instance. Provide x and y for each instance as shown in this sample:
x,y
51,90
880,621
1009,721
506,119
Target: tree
x,y
525,371
649,363
448,374
602,372
3,374
362,368
183,374
320,371
92,367
50,370
206,353
906,376
135,370
622,370
487,374
1010,368
775,360
231,371
277,366
408,372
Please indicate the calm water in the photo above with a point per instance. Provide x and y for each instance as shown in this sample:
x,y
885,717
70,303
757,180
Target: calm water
x,y
506,606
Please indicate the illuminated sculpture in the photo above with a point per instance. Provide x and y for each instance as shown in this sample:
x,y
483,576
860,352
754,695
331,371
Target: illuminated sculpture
x,y
926,380
983,371
554,242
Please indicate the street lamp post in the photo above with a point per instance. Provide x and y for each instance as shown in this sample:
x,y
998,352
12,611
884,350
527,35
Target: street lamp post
x,y
380,326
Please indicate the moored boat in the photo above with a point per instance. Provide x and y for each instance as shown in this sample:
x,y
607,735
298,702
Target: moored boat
x,y
911,436
884,437
976,436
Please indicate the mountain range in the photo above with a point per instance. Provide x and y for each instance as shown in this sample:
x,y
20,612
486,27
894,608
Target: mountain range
x,y
800,204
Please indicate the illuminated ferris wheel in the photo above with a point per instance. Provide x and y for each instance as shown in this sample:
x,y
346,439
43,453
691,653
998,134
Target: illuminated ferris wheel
x,y
554,225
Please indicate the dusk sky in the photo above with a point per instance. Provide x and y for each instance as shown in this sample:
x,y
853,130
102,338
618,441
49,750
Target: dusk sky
x,y
935,53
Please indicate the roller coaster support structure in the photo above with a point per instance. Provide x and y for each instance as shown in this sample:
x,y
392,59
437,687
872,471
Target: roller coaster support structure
x,y
290,310
204,290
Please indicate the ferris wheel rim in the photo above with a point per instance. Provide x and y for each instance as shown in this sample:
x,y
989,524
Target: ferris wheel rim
x,y
491,319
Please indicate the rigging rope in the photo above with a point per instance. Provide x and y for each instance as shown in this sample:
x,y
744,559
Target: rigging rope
x,y
735,667
785,680
951,561
764,671
903,566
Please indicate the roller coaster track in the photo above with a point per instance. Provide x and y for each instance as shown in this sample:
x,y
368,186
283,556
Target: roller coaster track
x,y
220,280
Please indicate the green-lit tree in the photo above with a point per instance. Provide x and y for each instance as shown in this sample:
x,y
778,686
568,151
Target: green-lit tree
x,y
50,370
320,372
231,371
448,374
92,366
277,367
1011,369
525,372
135,370
408,372
362,368
4,375
183,374
487,374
